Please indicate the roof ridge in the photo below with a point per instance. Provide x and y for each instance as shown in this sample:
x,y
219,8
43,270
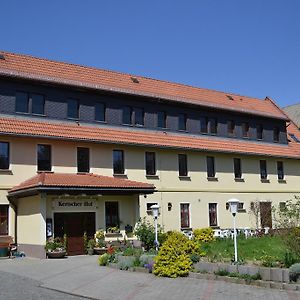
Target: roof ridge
x,y
129,74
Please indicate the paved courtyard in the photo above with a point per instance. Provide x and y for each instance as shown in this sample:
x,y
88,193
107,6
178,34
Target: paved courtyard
x,y
80,277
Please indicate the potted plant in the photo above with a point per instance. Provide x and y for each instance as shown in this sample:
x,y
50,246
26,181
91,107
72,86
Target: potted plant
x,y
90,246
100,246
55,248
113,231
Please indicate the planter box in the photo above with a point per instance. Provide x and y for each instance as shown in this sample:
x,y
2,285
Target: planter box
x,y
113,235
100,251
267,274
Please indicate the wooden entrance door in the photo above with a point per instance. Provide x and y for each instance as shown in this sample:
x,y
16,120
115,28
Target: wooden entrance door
x,y
265,214
74,225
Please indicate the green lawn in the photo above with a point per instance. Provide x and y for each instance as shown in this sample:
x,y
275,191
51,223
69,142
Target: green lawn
x,y
251,249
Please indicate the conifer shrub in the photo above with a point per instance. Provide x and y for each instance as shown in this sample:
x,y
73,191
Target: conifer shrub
x,y
295,272
204,235
173,259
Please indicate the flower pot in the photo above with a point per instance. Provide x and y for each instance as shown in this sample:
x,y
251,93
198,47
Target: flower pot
x,y
56,254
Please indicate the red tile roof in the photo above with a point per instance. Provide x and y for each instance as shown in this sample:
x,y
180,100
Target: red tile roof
x,y
70,131
79,181
28,67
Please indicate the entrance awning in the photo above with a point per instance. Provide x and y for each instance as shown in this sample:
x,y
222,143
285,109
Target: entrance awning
x,y
89,183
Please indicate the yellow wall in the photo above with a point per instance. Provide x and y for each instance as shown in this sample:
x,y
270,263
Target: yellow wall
x,y
128,206
31,221
197,190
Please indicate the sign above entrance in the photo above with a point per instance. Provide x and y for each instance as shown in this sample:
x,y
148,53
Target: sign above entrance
x,y
78,205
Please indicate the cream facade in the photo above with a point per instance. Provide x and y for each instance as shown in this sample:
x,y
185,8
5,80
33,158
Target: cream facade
x,y
195,189
83,149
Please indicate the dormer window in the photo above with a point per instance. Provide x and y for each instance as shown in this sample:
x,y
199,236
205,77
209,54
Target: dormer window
x,y
230,128
182,122
259,132
276,134
245,130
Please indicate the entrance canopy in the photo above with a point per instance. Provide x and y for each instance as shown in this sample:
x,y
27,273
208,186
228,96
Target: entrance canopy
x,y
61,183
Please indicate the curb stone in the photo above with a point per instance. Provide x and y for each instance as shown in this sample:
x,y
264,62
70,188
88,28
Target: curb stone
x,y
259,283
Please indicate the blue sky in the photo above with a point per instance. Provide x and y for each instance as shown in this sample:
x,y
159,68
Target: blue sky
x,y
245,47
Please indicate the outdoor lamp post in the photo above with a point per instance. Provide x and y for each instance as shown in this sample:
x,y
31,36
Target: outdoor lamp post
x,y
155,211
233,206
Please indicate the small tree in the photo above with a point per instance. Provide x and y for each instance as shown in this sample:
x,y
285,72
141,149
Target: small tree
x,y
145,232
288,220
255,211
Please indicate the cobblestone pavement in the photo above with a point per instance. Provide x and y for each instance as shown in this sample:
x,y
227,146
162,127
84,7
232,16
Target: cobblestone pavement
x,y
83,277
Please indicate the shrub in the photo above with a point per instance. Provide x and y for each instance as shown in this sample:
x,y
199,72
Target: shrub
x,y
194,258
292,241
294,272
91,244
204,235
269,261
132,252
146,259
103,259
145,231
289,259
221,272
54,244
173,258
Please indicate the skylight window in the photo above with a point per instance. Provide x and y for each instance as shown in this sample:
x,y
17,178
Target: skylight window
x,y
134,79
2,56
230,97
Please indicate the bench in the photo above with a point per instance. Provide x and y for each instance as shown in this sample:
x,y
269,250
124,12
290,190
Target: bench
x,y
7,241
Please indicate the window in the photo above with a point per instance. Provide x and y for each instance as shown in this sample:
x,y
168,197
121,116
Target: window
x,y
118,161
22,102
210,166
100,111
204,125
240,206
237,168
245,130
212,213
148,207
127,115
185,215
38,104
259,132
182,164
213,124
73,109
112,214
280,170
83,160
44,157
139,117
161,119
4,156
150,163
263,169
3,219
282,206
182,122
230,127
276,133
